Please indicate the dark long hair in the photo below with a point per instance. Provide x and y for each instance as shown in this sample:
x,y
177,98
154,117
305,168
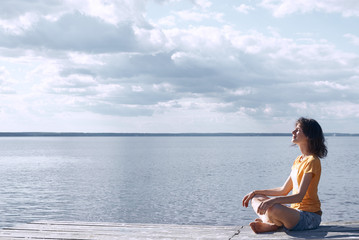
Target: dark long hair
x,y
314,133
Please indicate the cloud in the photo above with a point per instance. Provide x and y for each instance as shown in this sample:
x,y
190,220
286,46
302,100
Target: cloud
x,y
104,58
199,16
243,8
75,32
202,3
190,15
20,24
3,74
331,85
245,73
336,109
11,9
200,12
109,11
5,82
352,38
168,21
280,8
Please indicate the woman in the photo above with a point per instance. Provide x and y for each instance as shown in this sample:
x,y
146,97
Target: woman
x,y
304,212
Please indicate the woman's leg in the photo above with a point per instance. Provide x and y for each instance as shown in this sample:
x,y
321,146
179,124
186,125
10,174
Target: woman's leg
x,y
263,223
276,216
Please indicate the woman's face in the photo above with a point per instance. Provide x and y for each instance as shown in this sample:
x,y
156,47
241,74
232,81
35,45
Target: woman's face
x,y
298,135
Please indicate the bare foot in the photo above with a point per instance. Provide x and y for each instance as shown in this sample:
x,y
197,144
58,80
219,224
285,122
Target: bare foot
x,y
260,227
258,220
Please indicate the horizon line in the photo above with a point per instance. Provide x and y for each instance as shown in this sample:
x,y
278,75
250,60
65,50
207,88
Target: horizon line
x,y
143,134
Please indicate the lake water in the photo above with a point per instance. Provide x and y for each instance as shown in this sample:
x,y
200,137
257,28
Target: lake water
x,y
180,180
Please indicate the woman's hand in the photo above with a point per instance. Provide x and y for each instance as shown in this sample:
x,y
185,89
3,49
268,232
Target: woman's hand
x,y
265,205
247,198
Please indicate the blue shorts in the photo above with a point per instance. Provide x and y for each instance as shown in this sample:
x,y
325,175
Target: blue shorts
x,y
307,221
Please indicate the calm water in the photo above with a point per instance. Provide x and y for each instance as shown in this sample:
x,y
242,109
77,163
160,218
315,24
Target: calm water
x,y
182,180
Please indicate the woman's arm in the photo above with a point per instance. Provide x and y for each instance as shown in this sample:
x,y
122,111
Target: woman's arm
x,y
280,191
295,198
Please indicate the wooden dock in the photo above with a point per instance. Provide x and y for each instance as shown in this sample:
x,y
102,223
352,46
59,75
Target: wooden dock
x,y
56,230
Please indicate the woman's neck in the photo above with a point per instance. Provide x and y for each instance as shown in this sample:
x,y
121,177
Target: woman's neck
x,y
304,149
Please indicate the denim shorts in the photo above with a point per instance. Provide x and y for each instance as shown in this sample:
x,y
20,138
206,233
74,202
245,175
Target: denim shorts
x,y
307,221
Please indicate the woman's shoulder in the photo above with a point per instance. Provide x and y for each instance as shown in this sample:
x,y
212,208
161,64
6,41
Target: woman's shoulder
x,y
313,161
309,160
313,158
300,158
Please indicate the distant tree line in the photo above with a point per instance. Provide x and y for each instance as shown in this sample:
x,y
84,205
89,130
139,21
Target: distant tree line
x,y
83,134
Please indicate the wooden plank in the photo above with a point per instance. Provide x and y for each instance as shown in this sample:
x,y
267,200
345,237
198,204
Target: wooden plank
x,y
56,230
104,231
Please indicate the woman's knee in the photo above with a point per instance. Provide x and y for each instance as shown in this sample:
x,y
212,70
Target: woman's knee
x,y
281,215
257,200
274,210
273,214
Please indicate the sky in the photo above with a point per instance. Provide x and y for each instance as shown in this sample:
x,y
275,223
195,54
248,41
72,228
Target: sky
x,y
154,66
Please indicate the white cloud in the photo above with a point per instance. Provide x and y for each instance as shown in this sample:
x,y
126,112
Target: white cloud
x,y
103,59
241,91
332,85
203,3
226,65
85,34
5,82
150,39
199,16
336,109
20,24
193,39
352,38
243,8
221,65
137,88
85,59
168,21
281,8
3,74
106,10
112,12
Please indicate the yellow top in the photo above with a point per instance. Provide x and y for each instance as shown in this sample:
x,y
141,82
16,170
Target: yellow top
x,y
310,164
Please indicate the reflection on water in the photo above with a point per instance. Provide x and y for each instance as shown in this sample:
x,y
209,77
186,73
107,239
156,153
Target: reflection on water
x,y
183,180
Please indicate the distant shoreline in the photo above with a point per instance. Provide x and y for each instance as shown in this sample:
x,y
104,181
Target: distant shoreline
x,y
84,134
